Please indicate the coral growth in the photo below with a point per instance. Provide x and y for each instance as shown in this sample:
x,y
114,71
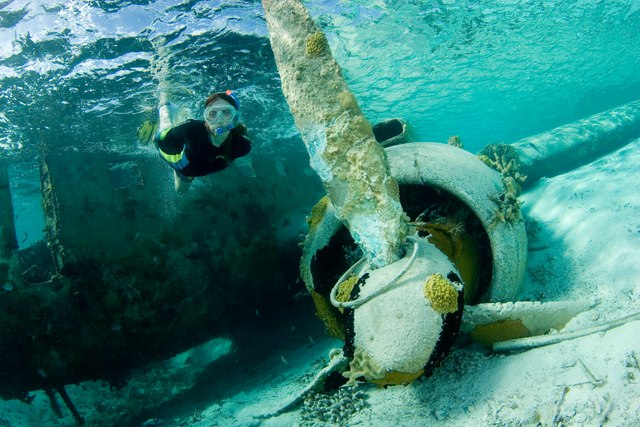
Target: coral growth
x,y
335,408
317,44
504,159
347,100
363,366
455,141
508,204
441,293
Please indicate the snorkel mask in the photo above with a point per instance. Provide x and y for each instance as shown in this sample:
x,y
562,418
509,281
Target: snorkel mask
x,y
222,118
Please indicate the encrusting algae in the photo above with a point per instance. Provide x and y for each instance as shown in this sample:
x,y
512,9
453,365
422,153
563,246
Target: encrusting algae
x,y
329,316
345,288
317,213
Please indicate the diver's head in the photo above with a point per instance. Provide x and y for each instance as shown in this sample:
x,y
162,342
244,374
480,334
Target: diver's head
x,y
221,113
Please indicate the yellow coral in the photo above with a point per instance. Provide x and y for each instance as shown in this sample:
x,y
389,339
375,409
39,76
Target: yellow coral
x,y
441,293
347,100
317,44
363,366
455,141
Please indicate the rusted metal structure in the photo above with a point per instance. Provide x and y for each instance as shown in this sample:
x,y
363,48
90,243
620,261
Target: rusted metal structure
x,y
9,274
141,273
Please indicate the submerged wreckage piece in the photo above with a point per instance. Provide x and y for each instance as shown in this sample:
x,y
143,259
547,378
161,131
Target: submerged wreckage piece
x,y
9,269
467,242
453,210
569,146
405,317
460,200
365,198
447,176
141,273
340,141
398,308
459,177
526,342
489,324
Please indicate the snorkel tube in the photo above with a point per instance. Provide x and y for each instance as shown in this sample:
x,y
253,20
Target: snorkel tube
x,y
223,129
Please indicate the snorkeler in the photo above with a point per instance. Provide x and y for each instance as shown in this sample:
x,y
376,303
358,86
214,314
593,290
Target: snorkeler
x,y
200,147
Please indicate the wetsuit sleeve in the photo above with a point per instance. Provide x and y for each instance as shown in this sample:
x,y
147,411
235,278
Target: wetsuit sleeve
x,y
171,146
241,147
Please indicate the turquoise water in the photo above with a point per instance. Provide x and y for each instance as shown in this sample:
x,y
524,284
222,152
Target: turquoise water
x,y
490,71
83,75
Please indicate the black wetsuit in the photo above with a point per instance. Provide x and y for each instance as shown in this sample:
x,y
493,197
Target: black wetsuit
x,y
189,151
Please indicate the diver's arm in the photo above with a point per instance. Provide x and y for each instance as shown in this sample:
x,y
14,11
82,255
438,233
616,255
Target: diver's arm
x,y
172,148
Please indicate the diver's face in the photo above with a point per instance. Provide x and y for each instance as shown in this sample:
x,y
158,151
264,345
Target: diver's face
x,y
219,114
